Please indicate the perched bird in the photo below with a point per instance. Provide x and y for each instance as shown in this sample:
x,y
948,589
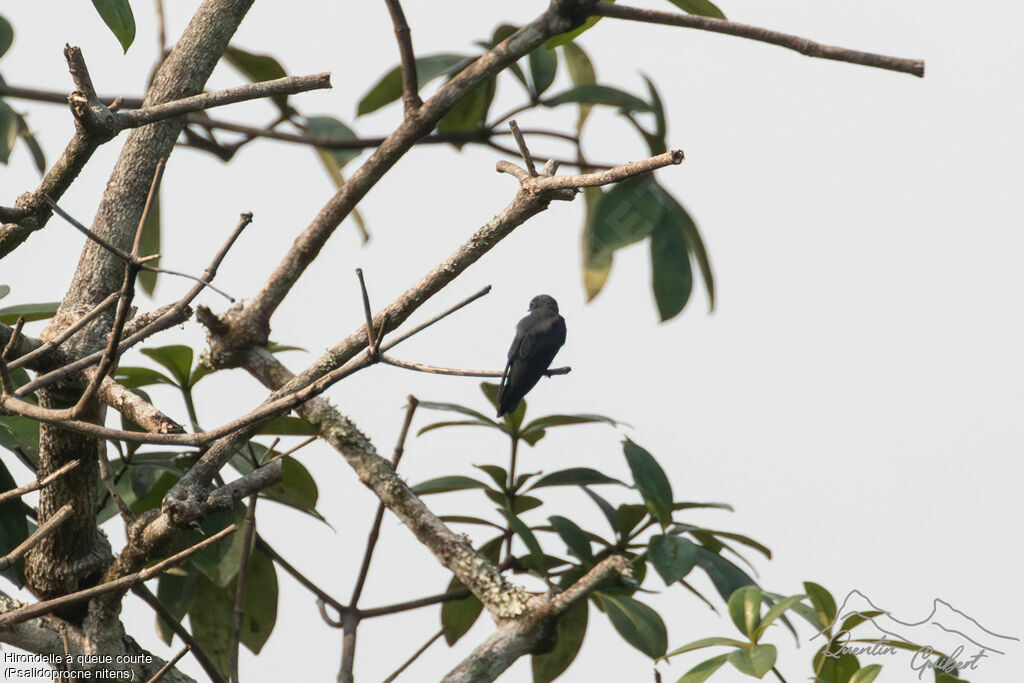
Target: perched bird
x,y
538,337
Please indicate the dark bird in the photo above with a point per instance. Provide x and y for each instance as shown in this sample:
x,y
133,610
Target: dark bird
x,y
538,337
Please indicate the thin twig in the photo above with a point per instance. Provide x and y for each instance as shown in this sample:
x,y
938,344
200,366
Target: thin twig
x,y
321,594
154,602
6,384
288,85
161,30
279,456
44,530
170,317
66,334
457,594
524,151
39,609
169,665
396,340
370,335
410,86
38,483
238,613
414,657
104,465
419,367
371,541
801,45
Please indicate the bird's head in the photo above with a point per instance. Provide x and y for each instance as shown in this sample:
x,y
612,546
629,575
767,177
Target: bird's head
x,y
543,301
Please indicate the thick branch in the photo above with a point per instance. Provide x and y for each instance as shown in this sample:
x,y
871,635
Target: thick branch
x,y
516,637
801,45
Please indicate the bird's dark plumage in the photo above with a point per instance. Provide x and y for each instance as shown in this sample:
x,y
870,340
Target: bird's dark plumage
x,y
538,337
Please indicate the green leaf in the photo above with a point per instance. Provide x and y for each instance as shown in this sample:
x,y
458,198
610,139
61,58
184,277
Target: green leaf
x,y
574,476
638,624
650,479
38,158
775,612
465,519
656,141
257,67
677,215
150,244
523,531
8,131
836,668
704,670
454,407
134,377
4,291
569,36
498,474
452,423
296,489
604,505
716,641
30,312
581,72
469,113
6,36
176,358
597,258
260,601
543,65
823,602
211,620
389,88
745,609
867,674
858,618
575,538
548,421
570,630
330,129
726,576
702,7
219,563
20,433
13,527
176,592
672,556
671,276
598,94
117,15
754,661
627,213
686,505
627,516
745,540
287,425
446,484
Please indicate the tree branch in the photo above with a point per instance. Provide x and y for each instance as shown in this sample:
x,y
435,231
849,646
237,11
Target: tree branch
x,y
410,86
44,530
38,483
16,616
801,45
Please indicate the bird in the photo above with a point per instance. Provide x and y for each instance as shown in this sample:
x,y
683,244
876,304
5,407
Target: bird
x,y
538,337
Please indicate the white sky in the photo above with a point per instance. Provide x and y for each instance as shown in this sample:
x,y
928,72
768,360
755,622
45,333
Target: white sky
x,y
856,395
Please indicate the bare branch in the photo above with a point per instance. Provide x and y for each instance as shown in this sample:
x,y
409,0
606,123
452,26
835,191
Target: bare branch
x,y
371,541
135,408
457,594
515,637
49,346
169,665
322,595
410,87
44,530
419,367
416,655
524,151
38,483
801,45
288,85
168,318
38,609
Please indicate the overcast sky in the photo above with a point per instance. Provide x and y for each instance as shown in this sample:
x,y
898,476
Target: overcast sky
x,y
856,394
